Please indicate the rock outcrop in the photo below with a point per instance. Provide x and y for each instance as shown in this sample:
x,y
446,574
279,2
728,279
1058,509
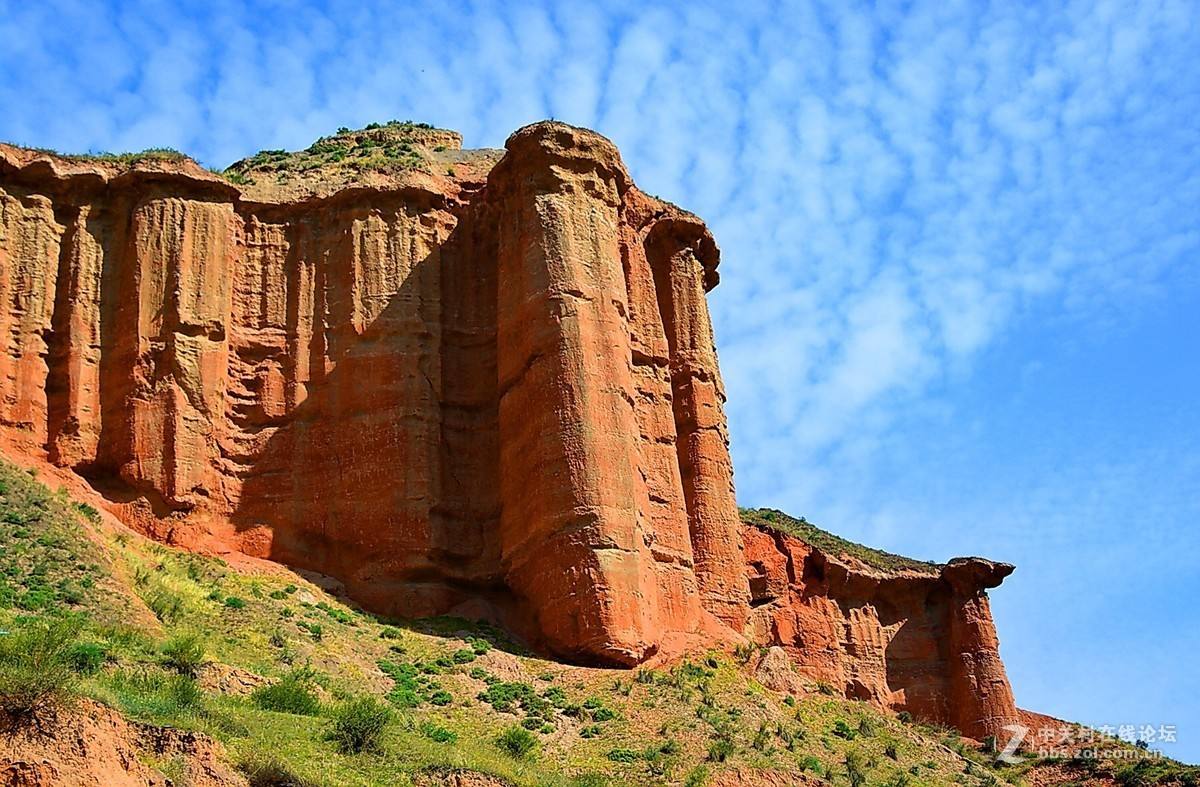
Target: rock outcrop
x,y
470,382
910,637
494,395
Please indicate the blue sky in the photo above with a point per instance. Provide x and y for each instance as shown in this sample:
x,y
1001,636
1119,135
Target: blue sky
x,y
961,293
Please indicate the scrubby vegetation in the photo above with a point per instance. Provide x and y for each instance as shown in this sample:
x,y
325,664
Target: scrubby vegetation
x,y
304,689
770,519
391,147
37,668
127,159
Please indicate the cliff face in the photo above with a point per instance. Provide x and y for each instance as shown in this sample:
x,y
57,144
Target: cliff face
x,y
490,392
915,638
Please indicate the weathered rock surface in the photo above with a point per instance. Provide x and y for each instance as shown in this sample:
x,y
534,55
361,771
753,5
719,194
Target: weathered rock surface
x,y
95,746
908,639
496,396
485,385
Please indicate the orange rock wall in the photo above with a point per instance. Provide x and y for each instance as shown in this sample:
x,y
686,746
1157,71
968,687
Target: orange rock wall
x,y
915,641
497,398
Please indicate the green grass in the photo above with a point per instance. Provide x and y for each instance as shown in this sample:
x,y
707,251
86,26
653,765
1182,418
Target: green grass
x,y
46,562
293,693
37,665
770,519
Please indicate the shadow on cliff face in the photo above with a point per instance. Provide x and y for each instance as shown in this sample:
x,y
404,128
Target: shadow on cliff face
x,y
381,460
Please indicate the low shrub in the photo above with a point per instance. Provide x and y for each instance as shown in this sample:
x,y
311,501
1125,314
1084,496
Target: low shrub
x,y
518,742
36,666
438,734
87,657
290,694
359,725
233,602
184,653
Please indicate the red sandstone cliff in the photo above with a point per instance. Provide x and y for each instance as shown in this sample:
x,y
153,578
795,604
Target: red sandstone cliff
x,y
490,392
915,637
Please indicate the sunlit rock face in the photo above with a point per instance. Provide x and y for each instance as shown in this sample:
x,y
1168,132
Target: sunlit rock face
x,y
483,383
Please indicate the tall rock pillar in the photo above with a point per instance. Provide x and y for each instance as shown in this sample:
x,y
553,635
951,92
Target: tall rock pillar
x,y
683,257
571,538
981,699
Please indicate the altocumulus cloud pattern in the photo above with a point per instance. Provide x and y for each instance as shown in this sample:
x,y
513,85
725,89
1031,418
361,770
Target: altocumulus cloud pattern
x,y
929,211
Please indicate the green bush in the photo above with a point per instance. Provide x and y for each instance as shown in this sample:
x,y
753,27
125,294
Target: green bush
x,y
233,602
439,734
290,694
623,755
518,742
464,656
441,698
36,666
359,725
184,653
87,657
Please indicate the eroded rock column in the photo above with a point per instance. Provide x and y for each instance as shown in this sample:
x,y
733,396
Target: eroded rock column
x,y
675,248
571,542
981,699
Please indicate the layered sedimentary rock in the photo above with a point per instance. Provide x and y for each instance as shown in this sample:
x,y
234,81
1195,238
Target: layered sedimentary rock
x,y
469,382
491,391
916,638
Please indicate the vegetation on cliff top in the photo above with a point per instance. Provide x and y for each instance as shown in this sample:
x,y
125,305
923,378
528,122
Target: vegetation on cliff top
x,y
303,689
392,147
771,519
106,157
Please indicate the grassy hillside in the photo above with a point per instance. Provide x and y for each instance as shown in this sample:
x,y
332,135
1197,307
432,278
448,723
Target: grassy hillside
x,y
303,689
